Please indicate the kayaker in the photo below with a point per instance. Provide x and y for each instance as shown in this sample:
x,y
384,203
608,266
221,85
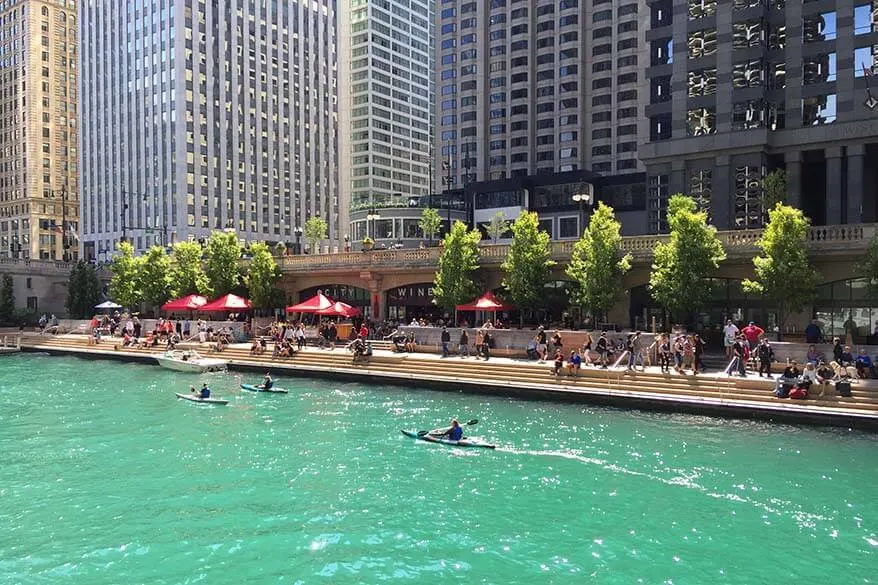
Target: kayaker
x,y
267,382
454,432
205,391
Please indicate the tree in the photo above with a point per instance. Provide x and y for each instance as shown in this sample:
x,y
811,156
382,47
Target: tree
x,y
454,283
867,268
774,189
262,275
430,223
529,263
223,256
125,281
7,299
784,274
315,230
597,263
680,267
83,290
497,226
186,275
153,275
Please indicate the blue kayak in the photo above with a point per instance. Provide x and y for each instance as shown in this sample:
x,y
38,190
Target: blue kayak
x,y
471,442
258,388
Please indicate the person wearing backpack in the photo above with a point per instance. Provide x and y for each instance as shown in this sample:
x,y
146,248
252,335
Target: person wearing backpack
x,y
765,353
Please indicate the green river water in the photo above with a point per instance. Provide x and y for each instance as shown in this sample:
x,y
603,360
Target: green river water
x,y
105,477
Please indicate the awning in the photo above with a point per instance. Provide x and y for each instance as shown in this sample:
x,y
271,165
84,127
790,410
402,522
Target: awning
x,y
229,302
486,302
187,303
339,309
108,305
318,302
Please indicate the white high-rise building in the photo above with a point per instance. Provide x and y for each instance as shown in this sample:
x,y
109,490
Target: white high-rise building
x,y
199,116
386,104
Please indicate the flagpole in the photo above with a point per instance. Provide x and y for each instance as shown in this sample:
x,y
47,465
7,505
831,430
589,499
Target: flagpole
x,y
871,102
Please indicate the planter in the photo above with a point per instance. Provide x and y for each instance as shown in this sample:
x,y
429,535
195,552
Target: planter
x,y
367,246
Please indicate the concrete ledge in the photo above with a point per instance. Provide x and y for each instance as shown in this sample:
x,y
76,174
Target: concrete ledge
x,y
554,390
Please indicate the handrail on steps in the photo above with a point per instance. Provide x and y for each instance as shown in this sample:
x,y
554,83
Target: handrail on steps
x,y
621,357
728,375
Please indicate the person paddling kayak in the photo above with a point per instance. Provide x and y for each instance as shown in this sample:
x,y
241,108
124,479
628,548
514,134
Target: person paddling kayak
x,y
453,433
205,391
267,382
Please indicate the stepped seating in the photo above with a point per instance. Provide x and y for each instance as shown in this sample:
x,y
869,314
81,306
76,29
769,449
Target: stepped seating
x,y
525,374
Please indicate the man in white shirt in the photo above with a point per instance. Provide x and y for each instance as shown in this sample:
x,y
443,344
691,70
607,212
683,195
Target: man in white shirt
x,y
730,331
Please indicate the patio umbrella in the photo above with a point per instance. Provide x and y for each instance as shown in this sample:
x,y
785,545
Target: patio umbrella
x,y
187,303
486,302
226,303
108,305
319,302
339,309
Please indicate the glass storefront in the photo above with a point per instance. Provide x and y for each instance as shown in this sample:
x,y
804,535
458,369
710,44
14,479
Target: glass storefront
x,y
413,301
844,307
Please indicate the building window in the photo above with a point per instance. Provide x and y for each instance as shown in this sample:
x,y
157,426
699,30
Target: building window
x,y
818,68
662,52
777,37
660,89
747,74
700,121
776,114
568,227
819,110
865,18
657,193
701,189
819,27
777,75
702,43
748,198
660,127
747,34
701,8
661,13
701,82
865,58
748,115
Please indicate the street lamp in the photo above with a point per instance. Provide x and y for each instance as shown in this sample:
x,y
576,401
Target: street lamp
x,y
583,196
371,217
298,231
65,242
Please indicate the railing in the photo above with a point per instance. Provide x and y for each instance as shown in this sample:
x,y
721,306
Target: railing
x,y
17,342
738,242
36,266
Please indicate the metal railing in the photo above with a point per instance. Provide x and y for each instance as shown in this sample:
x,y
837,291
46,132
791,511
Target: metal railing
x,y
16,342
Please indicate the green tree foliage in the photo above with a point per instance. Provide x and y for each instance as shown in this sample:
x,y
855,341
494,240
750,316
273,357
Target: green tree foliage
x,y
497,226
7,299
315,231
125,280
186,273
153,276
680,267
454,283
280,249
223,255
529,264
598,264
868,268
262,275
430,223
83,290
774,189
784,274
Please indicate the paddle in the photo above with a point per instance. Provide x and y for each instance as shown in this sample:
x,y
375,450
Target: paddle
x,y
474,421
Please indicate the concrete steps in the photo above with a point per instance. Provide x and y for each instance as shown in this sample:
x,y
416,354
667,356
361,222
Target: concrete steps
x,y
751,390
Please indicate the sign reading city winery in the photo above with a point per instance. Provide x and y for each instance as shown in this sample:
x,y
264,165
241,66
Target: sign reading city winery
x,y
352,295
420,295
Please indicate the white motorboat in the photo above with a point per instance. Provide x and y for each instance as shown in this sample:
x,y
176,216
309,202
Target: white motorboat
x,y
187,360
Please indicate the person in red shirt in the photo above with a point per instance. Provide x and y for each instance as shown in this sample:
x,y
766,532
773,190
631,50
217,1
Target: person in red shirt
x,y
364,331
752,332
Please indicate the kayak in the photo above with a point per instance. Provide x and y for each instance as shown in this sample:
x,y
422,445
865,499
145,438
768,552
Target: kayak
x,y
462,443
196,398
255,388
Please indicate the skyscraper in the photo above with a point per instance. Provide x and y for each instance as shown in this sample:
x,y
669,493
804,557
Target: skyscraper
x,y
202,116
386,103
39,186
530,87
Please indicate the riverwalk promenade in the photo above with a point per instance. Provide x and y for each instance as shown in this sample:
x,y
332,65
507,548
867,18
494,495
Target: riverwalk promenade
x,y
709,393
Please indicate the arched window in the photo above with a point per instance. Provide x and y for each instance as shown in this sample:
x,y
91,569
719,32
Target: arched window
x,y
62,17
44,11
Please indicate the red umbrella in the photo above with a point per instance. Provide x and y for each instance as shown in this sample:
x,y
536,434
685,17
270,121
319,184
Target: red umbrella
x,y
187,303
229,302
339,309
486,302
318,302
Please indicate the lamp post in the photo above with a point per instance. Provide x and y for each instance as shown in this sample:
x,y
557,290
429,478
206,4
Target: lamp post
x,y
448,180
298,231
583,196
347,243
163,230
371,217
65,245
